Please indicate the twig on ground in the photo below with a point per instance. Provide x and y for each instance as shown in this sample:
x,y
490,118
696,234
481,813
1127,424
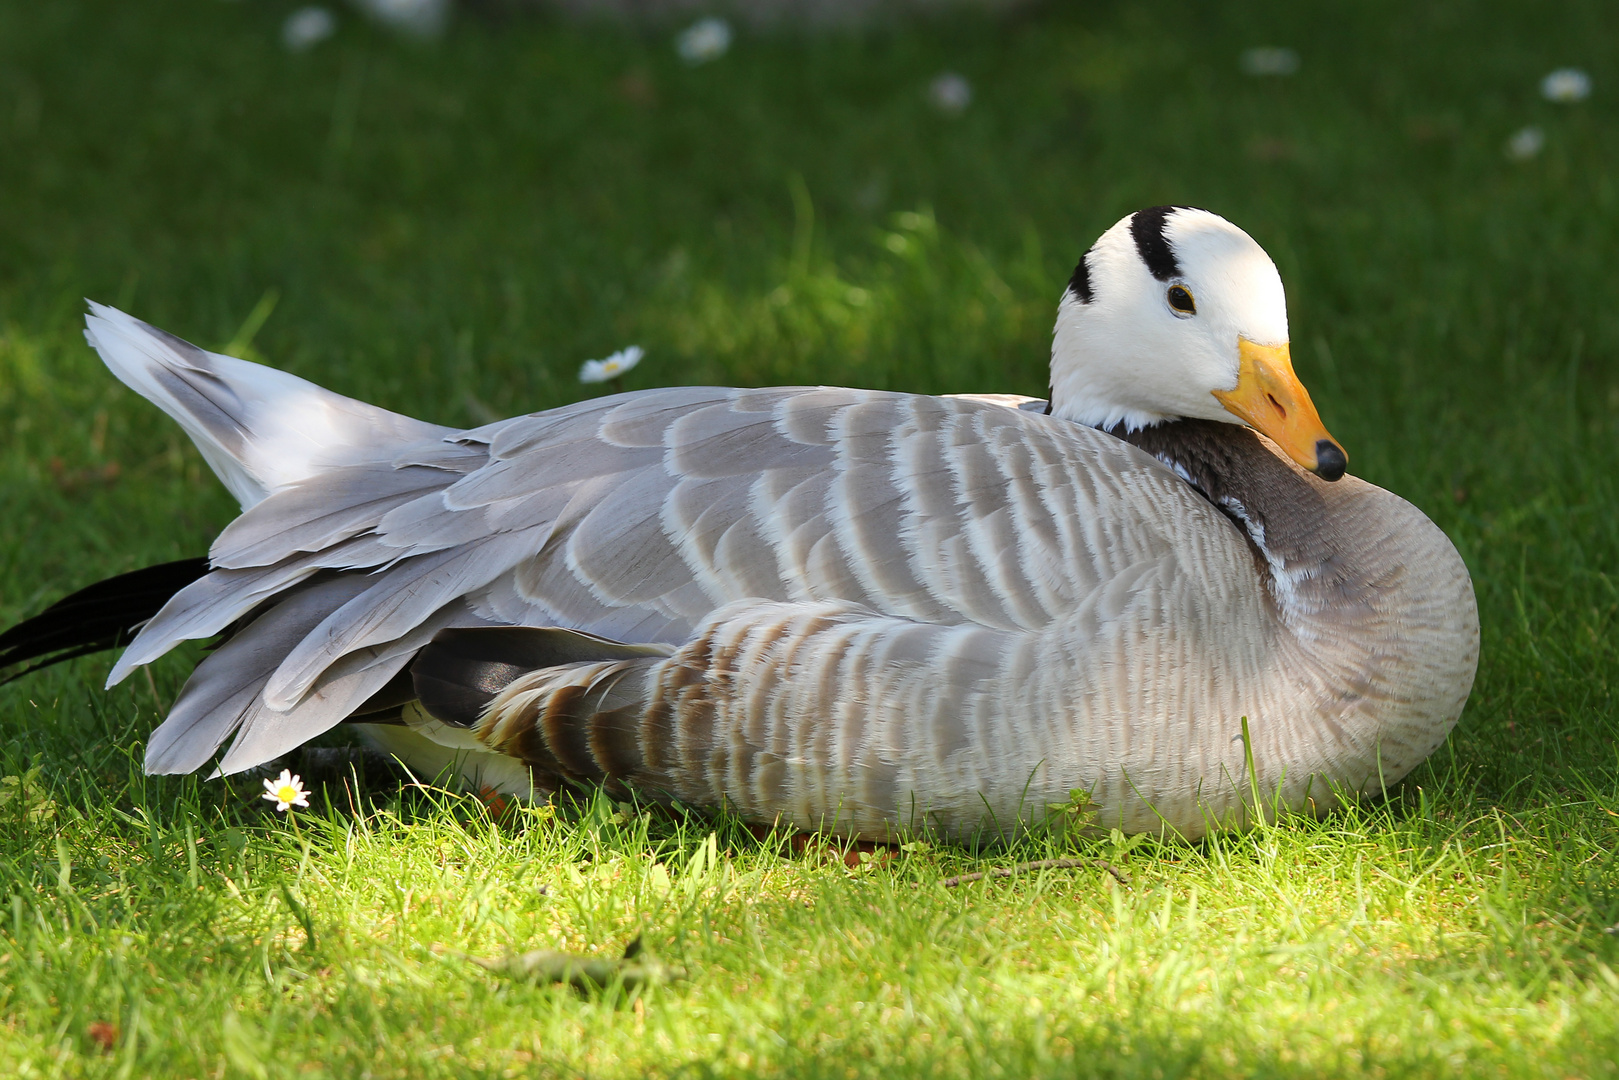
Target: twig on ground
x,y
1039,864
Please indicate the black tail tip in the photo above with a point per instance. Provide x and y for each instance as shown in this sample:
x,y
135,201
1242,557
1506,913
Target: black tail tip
x,y
103,616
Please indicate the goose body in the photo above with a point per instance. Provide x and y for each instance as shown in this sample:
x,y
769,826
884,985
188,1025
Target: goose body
x,y
858,611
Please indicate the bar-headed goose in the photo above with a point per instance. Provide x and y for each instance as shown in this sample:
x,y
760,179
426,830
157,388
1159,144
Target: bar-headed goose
x,y
849,610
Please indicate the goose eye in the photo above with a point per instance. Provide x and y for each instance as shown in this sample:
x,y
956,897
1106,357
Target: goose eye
x,y
1180,298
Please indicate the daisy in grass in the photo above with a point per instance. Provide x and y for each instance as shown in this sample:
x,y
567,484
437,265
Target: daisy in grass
x,y
306,28
1268,60
1566,86
1525,143
950,93
421,18
704,40
286,791
594,371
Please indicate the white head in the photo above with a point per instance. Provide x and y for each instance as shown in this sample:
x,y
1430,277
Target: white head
x,y
1177,313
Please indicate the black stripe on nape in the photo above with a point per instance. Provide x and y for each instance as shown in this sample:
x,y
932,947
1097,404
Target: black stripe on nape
x,y
1080,283
1147,226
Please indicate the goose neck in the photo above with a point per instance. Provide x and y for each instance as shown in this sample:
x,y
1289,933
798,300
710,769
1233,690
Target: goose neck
x,y
1276,507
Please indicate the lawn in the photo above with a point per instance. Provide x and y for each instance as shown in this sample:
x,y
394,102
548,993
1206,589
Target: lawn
x,y
449,229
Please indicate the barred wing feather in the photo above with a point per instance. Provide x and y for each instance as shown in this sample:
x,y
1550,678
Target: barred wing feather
x,y
939,510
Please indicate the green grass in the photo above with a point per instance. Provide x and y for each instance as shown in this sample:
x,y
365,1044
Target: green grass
x,y
449,230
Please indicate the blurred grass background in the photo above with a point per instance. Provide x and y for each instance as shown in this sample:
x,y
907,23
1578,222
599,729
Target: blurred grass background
x,y
450,228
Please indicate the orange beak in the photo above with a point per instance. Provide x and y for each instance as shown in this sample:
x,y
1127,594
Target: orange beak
x,y
1270,398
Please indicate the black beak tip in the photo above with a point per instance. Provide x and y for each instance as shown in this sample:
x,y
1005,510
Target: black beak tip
x,y
1330,461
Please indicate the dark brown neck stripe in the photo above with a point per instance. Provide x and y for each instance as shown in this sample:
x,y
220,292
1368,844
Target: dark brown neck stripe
x,y
1279,510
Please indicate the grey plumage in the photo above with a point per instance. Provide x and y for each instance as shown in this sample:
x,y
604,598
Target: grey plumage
x,y
865,611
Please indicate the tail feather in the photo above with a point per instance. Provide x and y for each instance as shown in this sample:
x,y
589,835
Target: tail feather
x,y
205,607
258,428
224,690
102,616
343,690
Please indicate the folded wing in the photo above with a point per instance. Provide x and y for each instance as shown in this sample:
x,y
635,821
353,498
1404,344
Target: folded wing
x,y
633,518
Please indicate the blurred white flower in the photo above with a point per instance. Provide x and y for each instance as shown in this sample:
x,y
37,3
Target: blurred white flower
x,y
286,791
595,371
1525,143
419,18
306,28
950,93
704,40
1267,60
1566,86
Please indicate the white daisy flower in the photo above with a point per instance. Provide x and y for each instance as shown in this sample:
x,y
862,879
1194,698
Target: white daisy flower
x,y
286,791
950,93
704,40
1267,60
421,18
595,371
1566,86
1525,143
306,28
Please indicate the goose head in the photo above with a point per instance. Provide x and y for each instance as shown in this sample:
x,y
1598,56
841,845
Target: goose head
x,y
1175,313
